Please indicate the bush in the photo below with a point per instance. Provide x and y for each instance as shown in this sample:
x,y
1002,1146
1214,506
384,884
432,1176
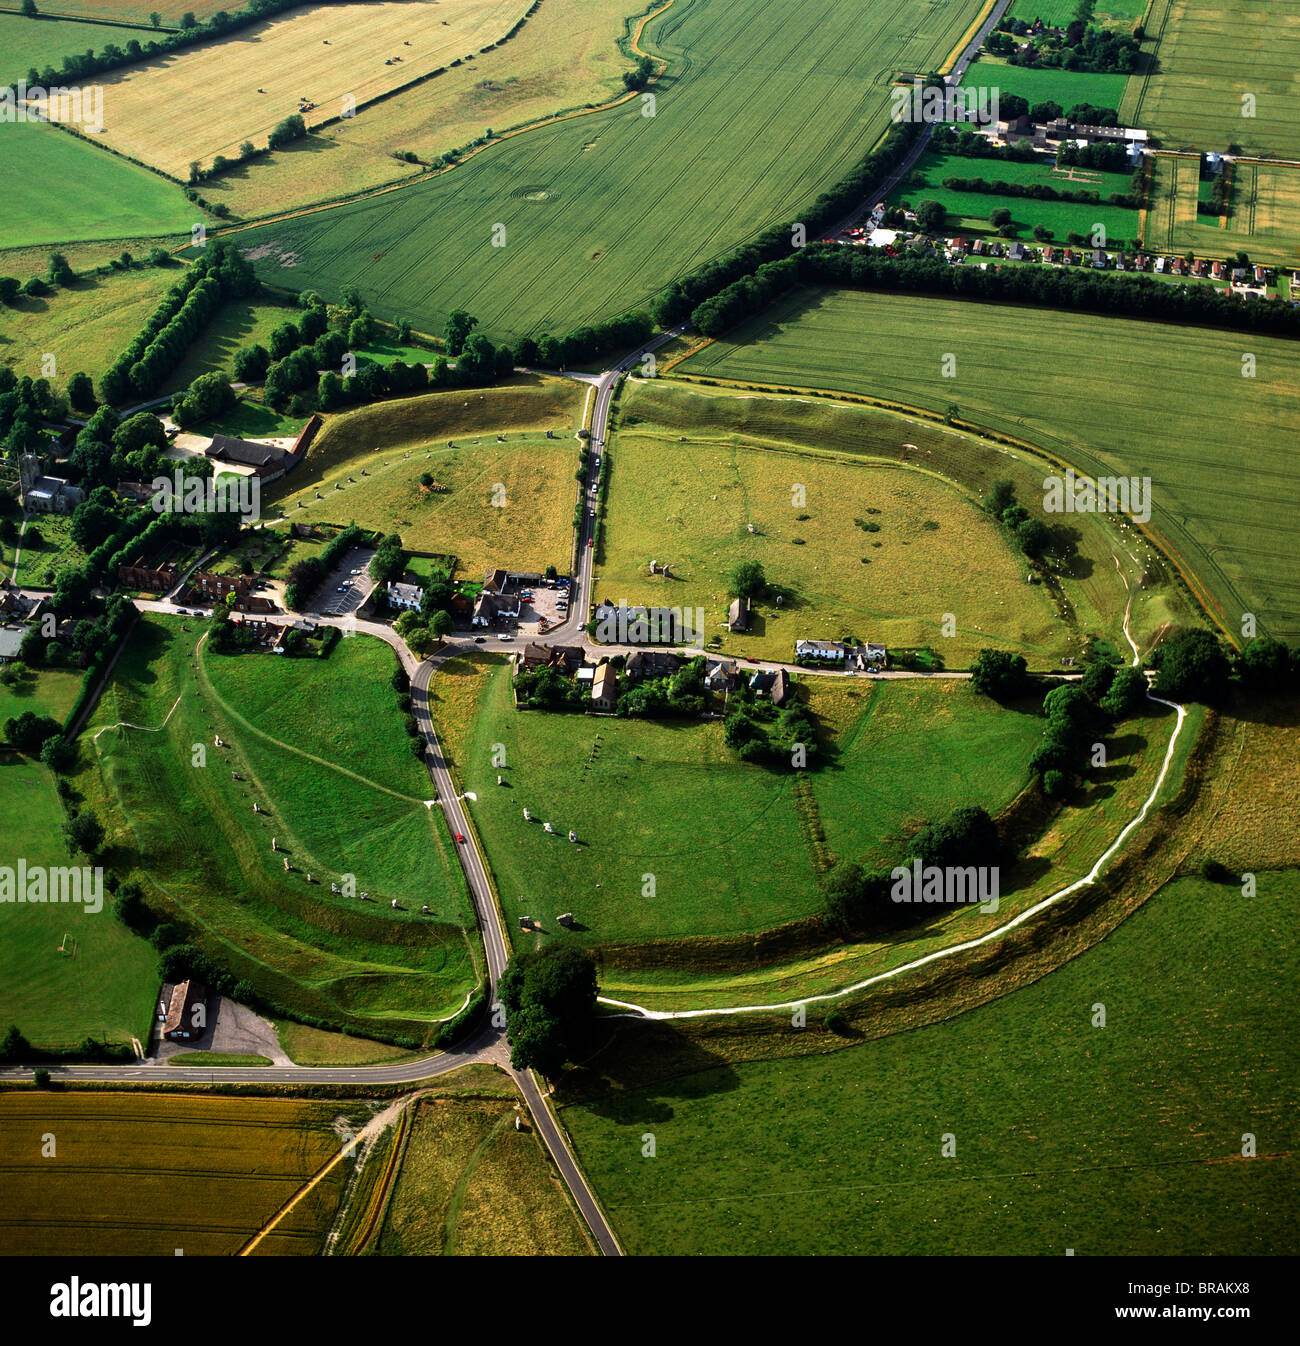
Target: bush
x,y
1214,872
41,1077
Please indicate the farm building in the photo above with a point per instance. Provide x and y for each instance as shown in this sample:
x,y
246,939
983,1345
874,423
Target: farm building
x,y
738,615
186,1012
266,460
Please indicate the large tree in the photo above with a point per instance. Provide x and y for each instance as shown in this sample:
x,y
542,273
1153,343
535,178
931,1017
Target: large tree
x,y
550,999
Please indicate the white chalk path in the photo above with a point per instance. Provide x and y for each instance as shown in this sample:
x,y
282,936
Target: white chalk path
x,y
954,949
126,724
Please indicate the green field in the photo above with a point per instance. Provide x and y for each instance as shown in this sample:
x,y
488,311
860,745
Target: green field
x,y
1046,84
85,327
1105,394
753,95
30,43
50,691
725,841
114,199
872,550
970,210
1209,59
103,984
239,323
166,1175
1119,1140
318,745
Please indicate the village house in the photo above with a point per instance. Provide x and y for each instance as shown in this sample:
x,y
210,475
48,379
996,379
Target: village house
x,y
604,689
404,596
824,651
566,659
651,664
11,637
204,584
720,675
186,1012
773,683
493,609
153,579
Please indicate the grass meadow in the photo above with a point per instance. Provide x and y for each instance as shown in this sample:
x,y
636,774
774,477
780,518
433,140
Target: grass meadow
x,y
470,1185
564,57
103,984
1049,84
85,327
728,844
157,1175
396,442
1108,395
206,100
114,199
878,551
38,42
1264,222
752,96
49,691
894,579
969,211
41,565
1122,1139
1209,59
318,746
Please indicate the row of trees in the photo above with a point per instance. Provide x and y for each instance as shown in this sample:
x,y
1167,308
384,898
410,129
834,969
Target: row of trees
x,y
1037,191
305,576
1093,291
219,274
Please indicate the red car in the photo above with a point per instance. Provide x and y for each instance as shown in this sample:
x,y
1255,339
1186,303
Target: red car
x,y
591,541
460,837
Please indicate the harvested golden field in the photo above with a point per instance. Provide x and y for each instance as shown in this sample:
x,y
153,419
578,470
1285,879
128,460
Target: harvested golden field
x,y
471,1185
148,1174
1248,812
366,466
565,56
207,100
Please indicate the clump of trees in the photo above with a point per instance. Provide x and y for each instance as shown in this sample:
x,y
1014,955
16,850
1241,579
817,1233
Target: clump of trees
x,y
550,1002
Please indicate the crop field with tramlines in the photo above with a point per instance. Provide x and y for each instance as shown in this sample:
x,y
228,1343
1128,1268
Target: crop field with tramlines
x,y
1212,61
317,746
157,1175
206,100
761,108
1109,395
1264,221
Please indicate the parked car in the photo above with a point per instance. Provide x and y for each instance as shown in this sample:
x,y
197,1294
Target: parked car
x,y
480,640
